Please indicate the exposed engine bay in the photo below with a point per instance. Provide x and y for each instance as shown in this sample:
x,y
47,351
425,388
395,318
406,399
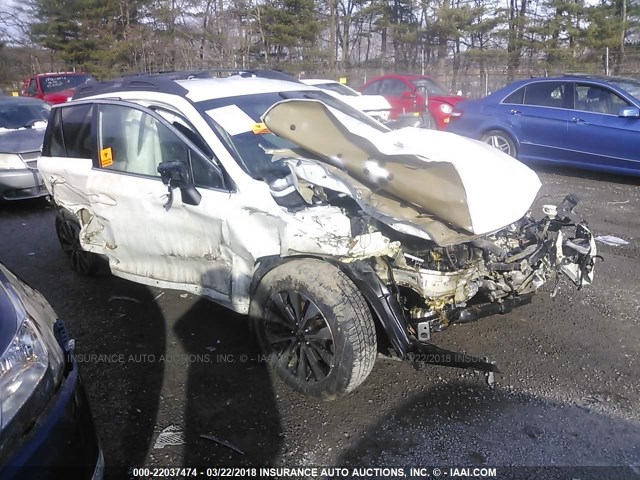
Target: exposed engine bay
x,y
440,264
441,285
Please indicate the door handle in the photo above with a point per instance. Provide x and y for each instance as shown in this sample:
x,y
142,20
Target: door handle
x,y
579,121
515,112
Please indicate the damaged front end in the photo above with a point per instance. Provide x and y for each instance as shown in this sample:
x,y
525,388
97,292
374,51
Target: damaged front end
x,y
450,247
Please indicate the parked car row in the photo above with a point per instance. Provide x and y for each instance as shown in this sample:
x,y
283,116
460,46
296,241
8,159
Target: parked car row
x,y
280,202
591,122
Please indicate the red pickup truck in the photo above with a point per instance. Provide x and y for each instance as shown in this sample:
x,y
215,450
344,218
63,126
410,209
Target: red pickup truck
x,y
54,87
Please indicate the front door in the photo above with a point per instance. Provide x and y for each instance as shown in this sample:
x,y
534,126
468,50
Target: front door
x,y
597,135
147,237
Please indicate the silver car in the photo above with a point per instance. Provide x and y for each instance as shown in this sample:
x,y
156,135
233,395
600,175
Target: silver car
x,y
22,125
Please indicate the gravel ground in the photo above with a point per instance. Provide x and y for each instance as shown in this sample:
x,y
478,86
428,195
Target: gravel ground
x,y
158,360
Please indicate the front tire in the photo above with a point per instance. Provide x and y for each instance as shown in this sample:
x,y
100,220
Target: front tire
x,y
316,328
502,141
68,232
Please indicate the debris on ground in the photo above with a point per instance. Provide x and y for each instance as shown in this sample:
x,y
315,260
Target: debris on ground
x,y
126,299
172,435
611,240
222,442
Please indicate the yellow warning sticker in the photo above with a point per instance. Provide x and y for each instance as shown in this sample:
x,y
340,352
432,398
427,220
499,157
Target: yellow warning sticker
x,y
106,157
259,128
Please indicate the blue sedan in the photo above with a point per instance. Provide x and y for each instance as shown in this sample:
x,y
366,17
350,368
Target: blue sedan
x,y
576,120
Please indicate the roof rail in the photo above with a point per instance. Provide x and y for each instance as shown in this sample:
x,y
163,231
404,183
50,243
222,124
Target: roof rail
x,y
142,82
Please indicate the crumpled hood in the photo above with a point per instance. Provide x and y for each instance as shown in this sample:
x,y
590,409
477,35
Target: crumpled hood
x,y
22,140
466,183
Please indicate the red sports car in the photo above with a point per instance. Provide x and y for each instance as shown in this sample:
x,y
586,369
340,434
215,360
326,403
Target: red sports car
x,y
412,93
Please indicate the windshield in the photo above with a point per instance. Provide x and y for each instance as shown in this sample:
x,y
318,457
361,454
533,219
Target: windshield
x,y
57,83
21,114
338,88
632,87
236,120
433,89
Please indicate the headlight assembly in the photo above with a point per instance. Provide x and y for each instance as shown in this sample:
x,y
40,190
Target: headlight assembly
x,y
446,108
31,369
11,161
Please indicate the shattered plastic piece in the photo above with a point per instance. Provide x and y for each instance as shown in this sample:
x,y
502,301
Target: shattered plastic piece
x,y
122,297
491,378
611,240
172,435
183,295
222,442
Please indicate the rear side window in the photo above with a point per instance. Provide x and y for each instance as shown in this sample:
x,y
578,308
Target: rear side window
x,y
69,133
515,98
546,94
53,142
76,131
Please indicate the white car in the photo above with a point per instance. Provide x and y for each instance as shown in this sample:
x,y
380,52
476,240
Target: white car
x,y
336,235
374,105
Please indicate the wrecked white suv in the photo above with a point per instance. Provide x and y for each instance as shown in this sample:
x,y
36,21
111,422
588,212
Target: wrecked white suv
x,y
337,236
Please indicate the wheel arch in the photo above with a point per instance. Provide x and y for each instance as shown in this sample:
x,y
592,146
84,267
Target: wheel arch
x,y
501,129
385,309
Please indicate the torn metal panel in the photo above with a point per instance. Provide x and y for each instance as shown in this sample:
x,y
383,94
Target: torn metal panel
x,y
325,231
465,187
457,286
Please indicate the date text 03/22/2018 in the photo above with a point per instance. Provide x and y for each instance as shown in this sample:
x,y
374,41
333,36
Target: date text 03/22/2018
x,y
310,472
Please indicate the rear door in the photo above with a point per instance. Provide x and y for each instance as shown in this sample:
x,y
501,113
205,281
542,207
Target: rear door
x,y
597,135
541,122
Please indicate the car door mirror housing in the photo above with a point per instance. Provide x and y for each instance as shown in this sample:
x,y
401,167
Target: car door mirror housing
x,y
629,112
190,194
175,174
407,94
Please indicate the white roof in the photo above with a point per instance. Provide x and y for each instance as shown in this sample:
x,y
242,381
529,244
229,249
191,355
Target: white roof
x,y
201,89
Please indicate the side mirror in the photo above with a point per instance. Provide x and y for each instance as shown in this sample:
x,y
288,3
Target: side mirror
x,y
175,174
629,112
407,94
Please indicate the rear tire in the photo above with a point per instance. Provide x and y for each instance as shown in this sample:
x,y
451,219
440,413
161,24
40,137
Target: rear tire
x,y
68,232
502,141
315,327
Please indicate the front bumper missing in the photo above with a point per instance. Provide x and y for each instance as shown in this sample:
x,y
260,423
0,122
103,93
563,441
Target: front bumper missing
x,y
387,309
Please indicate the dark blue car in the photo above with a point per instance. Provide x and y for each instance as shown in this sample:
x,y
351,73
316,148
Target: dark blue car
x,y
585,121
46,428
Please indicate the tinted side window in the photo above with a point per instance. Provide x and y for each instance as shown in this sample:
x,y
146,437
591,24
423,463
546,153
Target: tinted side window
x,y
546,94
393,87
76,131
516,97
372,89
130,140
594,98
33,88
54,144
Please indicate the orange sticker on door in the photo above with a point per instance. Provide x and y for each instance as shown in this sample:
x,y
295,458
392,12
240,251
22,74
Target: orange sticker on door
x,y
260,129
106,157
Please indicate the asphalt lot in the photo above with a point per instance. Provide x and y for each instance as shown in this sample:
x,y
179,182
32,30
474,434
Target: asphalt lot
x,y
157,360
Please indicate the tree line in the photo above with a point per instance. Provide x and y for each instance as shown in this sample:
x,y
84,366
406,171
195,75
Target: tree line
x,y
450,39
